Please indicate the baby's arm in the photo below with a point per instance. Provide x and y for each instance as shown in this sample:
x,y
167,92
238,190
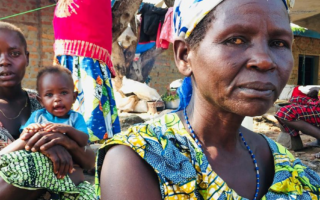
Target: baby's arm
x,y
79,137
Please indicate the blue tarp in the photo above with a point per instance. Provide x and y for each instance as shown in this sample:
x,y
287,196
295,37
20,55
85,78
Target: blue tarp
x,y
306,33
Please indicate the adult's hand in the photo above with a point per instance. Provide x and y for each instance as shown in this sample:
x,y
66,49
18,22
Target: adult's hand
x,y
61,159
45,140
84,156
313,92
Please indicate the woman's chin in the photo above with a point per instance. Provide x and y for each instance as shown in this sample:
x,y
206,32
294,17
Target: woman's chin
x,y
9,84
253,109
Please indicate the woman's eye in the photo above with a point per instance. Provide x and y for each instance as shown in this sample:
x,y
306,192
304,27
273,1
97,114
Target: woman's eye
x,y
235,41
15,53
279,43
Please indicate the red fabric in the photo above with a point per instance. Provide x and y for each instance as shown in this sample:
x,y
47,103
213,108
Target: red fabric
x,y
296,92
158,44
302,108
84,30
304,100
167,35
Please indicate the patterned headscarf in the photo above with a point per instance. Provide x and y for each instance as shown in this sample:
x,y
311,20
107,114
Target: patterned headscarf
x,y
188,13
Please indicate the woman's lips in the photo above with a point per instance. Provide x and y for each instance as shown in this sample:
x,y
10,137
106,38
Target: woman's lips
x,y
4,76
257,89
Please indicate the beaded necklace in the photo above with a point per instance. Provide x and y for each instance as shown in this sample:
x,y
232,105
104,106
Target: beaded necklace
x,y
244,142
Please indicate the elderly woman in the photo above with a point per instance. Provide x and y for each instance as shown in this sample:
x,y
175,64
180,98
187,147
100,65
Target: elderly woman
x,y
238,55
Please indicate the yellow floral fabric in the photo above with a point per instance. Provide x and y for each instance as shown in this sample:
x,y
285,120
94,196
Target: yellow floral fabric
x,y
185,173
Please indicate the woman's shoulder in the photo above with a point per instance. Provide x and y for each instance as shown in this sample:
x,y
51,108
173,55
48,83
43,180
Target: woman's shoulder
x,y
277,149
167,126
163,144
35,104
31,93
291,173
163,140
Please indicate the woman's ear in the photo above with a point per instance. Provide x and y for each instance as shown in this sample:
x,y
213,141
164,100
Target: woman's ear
x,y
27,55
181,52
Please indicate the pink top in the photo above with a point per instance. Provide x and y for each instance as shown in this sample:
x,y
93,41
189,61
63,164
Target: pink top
x,y
84,28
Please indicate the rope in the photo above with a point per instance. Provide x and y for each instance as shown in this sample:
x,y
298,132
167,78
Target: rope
x,y
29,11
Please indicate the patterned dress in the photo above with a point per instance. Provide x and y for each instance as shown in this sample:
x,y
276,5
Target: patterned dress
x,y
302,108
185,173
95,100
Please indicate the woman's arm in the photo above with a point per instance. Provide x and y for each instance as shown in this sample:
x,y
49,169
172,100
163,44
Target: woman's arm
x,y
14,146
83,156
126,176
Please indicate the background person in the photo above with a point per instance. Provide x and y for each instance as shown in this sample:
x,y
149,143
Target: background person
x,y
302,115
86,52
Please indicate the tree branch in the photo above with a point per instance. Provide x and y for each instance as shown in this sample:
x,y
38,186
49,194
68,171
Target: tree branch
x,y
122,13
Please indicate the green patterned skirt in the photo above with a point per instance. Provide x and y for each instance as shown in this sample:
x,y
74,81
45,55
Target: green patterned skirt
x,y
33,171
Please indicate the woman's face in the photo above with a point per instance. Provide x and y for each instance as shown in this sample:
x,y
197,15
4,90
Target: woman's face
x,y
13,59
245,58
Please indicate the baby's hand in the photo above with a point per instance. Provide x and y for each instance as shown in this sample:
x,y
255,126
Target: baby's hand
x,y
30,130
57,128
33,128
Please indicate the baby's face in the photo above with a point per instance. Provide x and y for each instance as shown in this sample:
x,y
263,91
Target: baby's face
x,y
56,93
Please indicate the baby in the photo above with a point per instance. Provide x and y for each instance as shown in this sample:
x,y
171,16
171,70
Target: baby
x,y
56,94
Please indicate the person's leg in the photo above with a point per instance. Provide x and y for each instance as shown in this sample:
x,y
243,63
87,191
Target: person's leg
x,y
304,127
313,144
289,141
9,192
307,129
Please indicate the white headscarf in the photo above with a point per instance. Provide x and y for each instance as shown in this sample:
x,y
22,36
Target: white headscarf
x,y
188,13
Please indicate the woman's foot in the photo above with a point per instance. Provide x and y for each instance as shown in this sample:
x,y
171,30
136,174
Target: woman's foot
x,y
290,142
317,155
313,144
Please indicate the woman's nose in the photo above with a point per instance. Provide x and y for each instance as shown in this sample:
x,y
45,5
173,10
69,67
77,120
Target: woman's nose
x,y
4,60
261,59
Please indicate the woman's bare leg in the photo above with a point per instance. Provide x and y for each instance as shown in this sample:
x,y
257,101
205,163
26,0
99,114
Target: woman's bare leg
x,y
9,192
